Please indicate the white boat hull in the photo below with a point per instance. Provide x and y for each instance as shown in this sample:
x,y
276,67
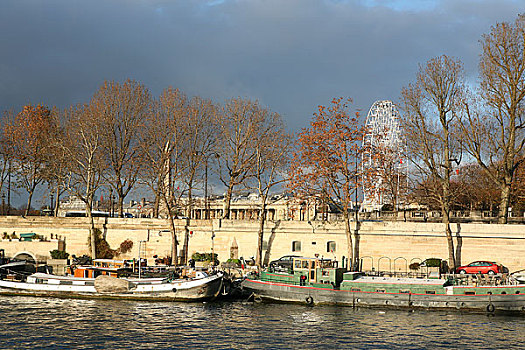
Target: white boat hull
x,y
205,288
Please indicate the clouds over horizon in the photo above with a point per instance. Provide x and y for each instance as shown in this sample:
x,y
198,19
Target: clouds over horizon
x,y
290,55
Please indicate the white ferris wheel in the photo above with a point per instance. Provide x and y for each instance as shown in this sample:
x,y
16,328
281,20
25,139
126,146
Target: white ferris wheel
x,y
383,147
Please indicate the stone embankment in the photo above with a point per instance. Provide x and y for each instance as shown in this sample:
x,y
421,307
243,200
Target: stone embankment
x,y
383,245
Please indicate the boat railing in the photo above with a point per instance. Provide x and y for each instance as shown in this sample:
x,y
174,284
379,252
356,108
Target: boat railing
x,y
459,279
483,279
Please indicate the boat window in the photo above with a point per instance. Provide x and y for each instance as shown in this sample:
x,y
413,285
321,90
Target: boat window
x,y
430,292
330,247
470,293
66,282
297,264
380,290
404,291
296,246
517,292
503,292
305,264
326,273
312,264
355,289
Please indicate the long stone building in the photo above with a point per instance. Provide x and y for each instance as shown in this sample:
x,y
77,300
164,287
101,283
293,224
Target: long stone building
x,y
384,245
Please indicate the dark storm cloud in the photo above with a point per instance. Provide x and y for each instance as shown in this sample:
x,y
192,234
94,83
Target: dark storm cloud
x,y
291,55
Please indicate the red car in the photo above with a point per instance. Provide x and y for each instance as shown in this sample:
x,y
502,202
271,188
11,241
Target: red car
x,y
488,267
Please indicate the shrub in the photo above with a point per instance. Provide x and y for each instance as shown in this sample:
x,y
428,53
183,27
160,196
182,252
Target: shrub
x,y
102,248
433,262
125,246
59,254
234,261
205,257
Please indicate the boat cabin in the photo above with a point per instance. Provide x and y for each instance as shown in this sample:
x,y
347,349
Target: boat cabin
x,y
317,272
109,267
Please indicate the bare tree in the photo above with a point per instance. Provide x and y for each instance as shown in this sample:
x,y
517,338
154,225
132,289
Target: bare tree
x,y
240,125
199,120
6,154
272,158
164,144
494,133
123,109
56,173
83,150
198,124
432,105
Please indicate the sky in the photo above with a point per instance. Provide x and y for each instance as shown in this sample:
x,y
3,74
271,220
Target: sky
x,y
290,55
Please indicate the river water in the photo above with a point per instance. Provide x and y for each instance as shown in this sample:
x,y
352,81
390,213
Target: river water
x,y
48,323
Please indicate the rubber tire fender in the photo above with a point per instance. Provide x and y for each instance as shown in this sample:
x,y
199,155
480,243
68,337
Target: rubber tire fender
x,y
309,300
491,308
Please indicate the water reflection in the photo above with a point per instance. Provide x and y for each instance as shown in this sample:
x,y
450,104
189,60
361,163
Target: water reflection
x,y
84,324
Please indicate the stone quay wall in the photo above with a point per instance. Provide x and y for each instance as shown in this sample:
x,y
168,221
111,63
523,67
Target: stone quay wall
x,y
384,245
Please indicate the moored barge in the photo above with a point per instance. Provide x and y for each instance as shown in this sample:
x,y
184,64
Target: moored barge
x,y
110,281
319,281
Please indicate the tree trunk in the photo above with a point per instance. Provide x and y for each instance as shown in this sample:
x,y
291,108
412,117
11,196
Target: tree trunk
x,y
57,202
92,240
448,233
156,205
503,211
356,246
227,202
189,208
260,234
174,242
186,242
29,199
120,205
348,234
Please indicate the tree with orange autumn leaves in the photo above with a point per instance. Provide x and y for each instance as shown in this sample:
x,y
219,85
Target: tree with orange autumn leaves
x,y
29,135
325,163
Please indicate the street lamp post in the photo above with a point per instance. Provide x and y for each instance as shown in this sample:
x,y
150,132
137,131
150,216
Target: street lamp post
x,y
111,202
206,211
212,250
140,260
206,202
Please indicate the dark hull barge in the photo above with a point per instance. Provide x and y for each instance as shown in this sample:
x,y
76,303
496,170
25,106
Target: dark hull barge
x,y
315,281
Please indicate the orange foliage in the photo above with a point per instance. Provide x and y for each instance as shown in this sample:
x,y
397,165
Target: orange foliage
x,y
30,132
325,162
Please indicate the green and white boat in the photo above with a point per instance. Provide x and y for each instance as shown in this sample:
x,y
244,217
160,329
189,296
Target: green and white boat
x,y
320,281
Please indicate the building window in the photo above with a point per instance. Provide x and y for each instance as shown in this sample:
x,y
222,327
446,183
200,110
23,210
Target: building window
x,y
330,247
296,246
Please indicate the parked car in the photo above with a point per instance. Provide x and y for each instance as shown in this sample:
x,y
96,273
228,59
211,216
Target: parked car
x,y
283,263
487,267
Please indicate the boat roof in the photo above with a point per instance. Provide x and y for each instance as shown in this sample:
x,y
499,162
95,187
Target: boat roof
x,y
56,277
398,280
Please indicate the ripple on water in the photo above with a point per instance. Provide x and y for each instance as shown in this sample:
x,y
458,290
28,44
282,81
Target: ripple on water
x,y
49,323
